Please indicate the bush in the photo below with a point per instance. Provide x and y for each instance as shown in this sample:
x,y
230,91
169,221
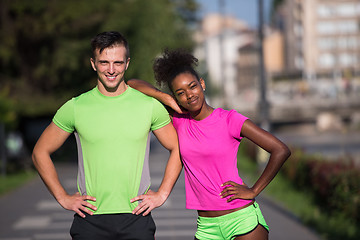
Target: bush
x,y
335,185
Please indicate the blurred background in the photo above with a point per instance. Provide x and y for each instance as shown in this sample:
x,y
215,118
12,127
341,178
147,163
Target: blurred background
x,y
292,66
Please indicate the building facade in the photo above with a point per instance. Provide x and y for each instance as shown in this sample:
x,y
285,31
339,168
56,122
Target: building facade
x,y
322,37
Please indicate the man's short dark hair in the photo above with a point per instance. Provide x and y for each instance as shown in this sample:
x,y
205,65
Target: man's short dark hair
x,y
109,39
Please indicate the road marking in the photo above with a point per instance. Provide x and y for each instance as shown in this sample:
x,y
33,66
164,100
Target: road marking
x,y
15,239
175,222
66,225
65,215
177,233
48,205
31,222
52,236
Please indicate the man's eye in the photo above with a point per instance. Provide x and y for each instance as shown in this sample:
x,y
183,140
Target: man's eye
x,y
180,93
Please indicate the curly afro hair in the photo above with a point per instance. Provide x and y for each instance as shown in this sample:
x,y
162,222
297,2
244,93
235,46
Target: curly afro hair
x,y
173,63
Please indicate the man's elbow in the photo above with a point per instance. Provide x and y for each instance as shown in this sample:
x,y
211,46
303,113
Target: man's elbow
x,y
36,155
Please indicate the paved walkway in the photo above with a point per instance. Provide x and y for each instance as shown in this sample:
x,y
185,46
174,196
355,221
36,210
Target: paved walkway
x,y
30,213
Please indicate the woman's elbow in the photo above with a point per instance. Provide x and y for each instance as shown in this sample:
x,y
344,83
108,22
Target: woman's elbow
x,y
285,152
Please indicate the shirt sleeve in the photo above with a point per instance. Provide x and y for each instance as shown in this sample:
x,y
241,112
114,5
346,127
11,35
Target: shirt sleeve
x,y
160,116
64,117
235,123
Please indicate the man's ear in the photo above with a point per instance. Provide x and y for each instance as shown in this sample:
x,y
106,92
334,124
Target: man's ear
x,y
92,61
127,63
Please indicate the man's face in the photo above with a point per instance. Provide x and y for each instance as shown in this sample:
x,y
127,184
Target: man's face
x,y
110,66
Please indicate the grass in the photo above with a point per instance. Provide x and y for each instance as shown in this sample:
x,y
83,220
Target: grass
x,y
15,180
302,204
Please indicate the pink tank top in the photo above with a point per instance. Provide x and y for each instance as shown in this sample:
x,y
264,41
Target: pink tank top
x,y
209,152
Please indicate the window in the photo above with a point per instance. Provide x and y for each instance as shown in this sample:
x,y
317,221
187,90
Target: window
x,y
331,27
347,59
325,11
299,62
338,10
347,27
346,10
353,43
326,43
326,60
326,27
298,30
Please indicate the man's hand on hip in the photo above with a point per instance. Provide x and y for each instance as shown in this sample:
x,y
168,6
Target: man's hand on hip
x,y
78,204
149,201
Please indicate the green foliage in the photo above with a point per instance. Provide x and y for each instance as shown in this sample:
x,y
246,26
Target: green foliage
x,y
14,180
7,112
45,50
323,193
331,185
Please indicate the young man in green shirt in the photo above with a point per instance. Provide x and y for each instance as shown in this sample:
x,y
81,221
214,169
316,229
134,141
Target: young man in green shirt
x,y
111,123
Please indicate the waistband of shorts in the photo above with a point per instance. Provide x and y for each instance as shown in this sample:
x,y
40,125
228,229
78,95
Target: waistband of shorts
x,y
229,216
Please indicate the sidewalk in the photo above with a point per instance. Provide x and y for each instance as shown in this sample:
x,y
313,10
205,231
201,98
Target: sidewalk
x,y
31,213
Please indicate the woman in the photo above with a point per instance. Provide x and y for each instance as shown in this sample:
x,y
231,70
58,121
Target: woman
x,y
209,139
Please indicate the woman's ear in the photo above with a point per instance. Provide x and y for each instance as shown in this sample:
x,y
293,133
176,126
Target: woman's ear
x,y
202,83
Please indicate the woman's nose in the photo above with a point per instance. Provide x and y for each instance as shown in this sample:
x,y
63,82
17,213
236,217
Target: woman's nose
x,y
189,94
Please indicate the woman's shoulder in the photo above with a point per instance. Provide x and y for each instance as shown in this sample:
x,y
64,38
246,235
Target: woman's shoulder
x,y
181,115
230,114
225,113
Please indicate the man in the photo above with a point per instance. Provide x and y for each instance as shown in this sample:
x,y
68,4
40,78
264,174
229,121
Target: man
x,y
111,124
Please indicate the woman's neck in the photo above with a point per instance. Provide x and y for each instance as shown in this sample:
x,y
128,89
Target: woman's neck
x,y
202,113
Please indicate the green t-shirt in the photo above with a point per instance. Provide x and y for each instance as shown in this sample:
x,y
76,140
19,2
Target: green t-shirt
x,y
113,137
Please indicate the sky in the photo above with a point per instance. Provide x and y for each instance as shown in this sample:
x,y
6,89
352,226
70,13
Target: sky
x,y
242,9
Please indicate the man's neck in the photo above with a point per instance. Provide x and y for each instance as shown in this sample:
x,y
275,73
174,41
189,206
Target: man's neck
x,y
112,92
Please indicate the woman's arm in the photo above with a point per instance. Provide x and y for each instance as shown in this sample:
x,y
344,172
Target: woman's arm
x,y
152,91
279,153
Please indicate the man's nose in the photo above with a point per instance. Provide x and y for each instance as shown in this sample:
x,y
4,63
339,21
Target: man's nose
x,y
111,69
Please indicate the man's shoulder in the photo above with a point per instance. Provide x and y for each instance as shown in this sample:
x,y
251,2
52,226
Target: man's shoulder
x,y
82,99
141,96
86,94
137,92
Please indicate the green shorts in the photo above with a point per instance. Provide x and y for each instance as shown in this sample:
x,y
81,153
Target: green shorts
x,y
230,225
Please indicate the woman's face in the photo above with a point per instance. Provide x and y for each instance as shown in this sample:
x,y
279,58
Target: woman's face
x,y
189,91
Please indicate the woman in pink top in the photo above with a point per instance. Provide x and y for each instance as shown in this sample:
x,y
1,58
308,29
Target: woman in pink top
x,y
209,139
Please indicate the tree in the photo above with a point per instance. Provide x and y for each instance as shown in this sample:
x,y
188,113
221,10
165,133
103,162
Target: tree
x,y
45,50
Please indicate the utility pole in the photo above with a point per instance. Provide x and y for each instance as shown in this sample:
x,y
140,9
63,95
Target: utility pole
x,y
221,48
263,103
263,108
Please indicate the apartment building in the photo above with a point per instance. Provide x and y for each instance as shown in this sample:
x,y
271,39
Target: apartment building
x,y
321,37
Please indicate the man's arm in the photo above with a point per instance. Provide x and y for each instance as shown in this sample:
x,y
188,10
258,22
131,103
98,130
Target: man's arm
x,y
167,136
52,139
